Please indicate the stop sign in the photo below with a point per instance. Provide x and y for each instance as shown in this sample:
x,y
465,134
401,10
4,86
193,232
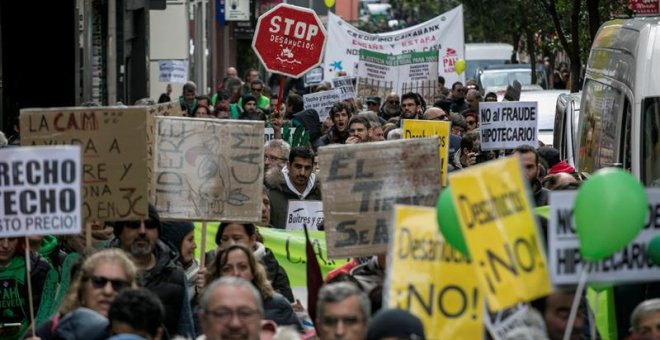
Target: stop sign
x,y
289,40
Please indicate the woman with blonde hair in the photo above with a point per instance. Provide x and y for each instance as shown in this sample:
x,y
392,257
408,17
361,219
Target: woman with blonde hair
x,y
237,260
100,278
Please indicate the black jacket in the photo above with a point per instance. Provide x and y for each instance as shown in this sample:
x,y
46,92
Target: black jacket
x,y
277,275
280,194
331,137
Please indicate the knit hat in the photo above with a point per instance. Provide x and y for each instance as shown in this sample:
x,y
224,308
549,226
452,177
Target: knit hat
x,y
173,232
395,323
153,214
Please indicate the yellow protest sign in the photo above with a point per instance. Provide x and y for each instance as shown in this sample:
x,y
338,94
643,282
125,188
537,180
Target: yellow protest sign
x,y
426,128
498,223
440,286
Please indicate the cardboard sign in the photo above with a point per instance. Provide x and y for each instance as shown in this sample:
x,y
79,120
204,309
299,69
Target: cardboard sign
x,y
208,169
362,182
303,212
631,264
508,125
344,86
379,74
440,286
40,191
497,220
426,128
114,149
321,102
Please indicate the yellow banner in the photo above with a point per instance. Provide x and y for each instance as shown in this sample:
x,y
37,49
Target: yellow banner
x,y
427,128
430,279
500,231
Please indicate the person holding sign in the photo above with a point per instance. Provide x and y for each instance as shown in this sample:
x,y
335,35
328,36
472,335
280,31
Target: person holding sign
x,y
14,292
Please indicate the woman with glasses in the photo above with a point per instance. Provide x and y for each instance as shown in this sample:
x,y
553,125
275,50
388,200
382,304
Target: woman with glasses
x,y
14,297
238,261
100,278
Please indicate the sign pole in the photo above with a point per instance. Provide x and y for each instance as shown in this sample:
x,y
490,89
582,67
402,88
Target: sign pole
x,y
202,248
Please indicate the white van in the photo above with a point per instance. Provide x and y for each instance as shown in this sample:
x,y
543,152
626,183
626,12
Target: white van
x,y
567,114
619,122
480,55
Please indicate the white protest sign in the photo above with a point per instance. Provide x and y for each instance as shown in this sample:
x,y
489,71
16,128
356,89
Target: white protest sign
x,y
321,102
173,71
314,76
631,264
344,86
507,125
304,212
40,191
443,34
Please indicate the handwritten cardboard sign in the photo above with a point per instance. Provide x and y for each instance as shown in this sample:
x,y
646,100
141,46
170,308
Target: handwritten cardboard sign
x,y
208,169
114,151
40,191
362,182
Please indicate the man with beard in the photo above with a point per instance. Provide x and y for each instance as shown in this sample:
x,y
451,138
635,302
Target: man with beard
x,y
529,159
411,105
250,110
359,130
391,108
158,268
231,308
456,98
340,113
296,181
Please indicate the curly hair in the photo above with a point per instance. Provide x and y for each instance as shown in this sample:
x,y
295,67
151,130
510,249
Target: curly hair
x,y
74,295
259,278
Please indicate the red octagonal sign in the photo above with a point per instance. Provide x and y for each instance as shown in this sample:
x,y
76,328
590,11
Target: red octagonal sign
x,y
289,40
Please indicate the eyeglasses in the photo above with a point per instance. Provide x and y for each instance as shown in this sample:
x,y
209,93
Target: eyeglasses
x,y
148,224
256,89
100,282
273,158
224,315
394,102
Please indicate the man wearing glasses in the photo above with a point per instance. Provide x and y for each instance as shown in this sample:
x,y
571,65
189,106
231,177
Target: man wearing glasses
x,y
257,88
276,154
159,271
231,308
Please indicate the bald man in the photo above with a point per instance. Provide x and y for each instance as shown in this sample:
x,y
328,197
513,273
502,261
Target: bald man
x,y
435,113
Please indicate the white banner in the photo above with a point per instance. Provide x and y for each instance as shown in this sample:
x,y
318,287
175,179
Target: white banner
x,y
344,86
321,102
314,76
304,212
507,125
443,33
630,264
40,191
173,71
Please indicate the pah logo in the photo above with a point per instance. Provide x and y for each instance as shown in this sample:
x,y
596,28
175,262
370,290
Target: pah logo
x,y
449,60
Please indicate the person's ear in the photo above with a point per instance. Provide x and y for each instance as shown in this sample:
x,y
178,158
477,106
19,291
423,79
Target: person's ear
x,y
159,333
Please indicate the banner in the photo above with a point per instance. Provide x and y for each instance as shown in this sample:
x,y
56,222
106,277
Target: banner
x,y
114,150
362,182
208,169
40,191
508,125
304,212
498,224
321,102
173,71
443,33
380,74
631,264
288,246
413,128
344,86
440,286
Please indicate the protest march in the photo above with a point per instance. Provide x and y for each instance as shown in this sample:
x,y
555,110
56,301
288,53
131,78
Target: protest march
x,y
396,197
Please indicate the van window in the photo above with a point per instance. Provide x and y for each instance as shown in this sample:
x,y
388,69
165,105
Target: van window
x,y
601,120
650,167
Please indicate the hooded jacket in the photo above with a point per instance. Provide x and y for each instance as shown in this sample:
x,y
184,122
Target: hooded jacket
x,y
280,193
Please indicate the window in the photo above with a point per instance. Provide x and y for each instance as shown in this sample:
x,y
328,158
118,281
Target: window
x,y
650,158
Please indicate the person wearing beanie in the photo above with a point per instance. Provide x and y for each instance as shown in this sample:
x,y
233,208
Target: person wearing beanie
x,y
249,109
159,270
395,324
180,235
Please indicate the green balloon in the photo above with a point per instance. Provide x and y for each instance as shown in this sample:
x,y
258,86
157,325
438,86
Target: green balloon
x,y
450,227
653,251
610,211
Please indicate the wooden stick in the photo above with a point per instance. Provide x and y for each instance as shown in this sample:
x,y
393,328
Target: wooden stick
x,y
29,282
202,255
88,235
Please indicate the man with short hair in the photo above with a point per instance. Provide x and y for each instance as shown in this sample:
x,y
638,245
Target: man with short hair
x,y
529,160
340,113
373,104
410,105
457,98
555,309
137,312
296,181
250,111
231,308
187,100
359,130
645,320
160,272
342,312
473,98
276,154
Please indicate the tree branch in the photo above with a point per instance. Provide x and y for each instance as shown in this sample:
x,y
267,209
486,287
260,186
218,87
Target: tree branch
x,y
551,7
